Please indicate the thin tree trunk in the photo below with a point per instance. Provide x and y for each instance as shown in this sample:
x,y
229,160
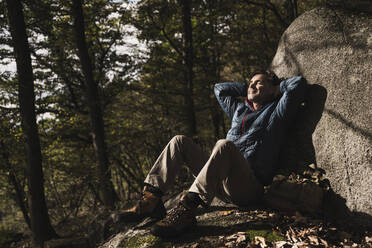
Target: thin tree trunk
x,y
215,77
20,193
107,193
293,9
188,71
213,72
41,227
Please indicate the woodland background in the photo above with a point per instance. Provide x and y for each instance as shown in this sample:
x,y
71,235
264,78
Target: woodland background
x,y
102,85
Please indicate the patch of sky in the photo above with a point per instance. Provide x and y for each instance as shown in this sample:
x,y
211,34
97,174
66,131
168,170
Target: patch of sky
x,y
130,45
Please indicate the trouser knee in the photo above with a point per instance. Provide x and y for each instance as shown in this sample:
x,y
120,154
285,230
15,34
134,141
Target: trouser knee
x,y
178,139
222,144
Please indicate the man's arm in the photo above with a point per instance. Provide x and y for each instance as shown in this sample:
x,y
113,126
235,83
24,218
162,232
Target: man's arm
x,y
227,93
293,90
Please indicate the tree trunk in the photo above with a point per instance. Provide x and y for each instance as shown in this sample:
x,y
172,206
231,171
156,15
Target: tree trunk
x,y
107,192
41,227
188,71
293,10
20,193
214,73
213,70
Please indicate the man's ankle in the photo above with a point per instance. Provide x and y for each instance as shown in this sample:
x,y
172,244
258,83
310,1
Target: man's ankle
x,y
192,200
152,189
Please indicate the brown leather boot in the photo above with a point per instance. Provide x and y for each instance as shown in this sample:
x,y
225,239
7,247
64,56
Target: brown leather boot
x,y
178,220
150,205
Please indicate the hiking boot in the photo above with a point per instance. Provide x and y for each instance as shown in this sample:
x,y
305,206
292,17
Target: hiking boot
x,y
150,205
177,221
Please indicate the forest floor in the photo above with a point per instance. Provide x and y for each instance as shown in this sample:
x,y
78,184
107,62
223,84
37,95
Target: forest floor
x,y
267,228
220,225
233,227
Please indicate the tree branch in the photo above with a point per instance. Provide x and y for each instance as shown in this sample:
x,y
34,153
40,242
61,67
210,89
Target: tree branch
x,y
269,5
173,45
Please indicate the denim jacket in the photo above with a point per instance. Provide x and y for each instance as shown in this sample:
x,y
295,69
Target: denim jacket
x,y
259,134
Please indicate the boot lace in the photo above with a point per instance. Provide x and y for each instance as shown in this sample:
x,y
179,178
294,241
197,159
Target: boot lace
x,y
174,214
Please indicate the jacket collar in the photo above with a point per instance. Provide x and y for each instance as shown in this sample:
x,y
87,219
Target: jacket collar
x,y
249,104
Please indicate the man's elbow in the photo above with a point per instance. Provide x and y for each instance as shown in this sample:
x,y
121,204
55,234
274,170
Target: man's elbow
x,y
295,87
217,89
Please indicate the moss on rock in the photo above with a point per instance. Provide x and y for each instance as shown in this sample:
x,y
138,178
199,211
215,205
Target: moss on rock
x,y
269,235
147,241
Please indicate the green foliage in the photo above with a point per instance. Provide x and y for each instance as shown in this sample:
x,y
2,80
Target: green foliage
x,y
141,90
7,238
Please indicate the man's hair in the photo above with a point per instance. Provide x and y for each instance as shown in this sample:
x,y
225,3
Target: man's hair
x,y
271,76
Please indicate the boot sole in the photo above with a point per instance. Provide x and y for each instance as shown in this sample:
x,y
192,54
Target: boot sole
x,y
168,232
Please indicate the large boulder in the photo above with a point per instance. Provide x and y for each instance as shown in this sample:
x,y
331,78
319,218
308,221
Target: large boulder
x,y
332,49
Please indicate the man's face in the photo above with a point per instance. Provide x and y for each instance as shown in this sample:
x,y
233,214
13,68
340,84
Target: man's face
x,y
260,90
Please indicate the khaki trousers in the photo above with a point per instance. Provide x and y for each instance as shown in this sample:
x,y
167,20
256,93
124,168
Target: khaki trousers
x,y
225,174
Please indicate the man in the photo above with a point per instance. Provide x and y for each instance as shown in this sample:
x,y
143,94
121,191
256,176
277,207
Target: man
x,y
238,167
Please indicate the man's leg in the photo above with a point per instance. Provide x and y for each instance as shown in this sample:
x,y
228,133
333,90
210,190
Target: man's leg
x,y
179,151
227,175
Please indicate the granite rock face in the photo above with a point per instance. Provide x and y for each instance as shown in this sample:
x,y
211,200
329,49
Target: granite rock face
x,y
332,49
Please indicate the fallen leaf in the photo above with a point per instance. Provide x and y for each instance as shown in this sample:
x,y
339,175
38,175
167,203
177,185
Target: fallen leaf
x,y
288,235
233,236
303,233
291,235
241,239
325,243
230,244
300,245
263,216
280,244
313,239
224,213
368,239
347,244
258,240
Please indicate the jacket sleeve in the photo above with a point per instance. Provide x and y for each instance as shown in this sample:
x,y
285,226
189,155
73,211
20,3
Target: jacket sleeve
x,y
227,93
293,94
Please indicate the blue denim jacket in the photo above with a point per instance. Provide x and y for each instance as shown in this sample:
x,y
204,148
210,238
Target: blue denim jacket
x,y
260,134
